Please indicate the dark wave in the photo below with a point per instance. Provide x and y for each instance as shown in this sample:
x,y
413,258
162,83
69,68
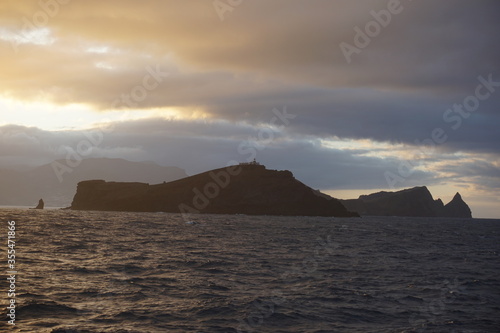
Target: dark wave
x,y
130,272
37,309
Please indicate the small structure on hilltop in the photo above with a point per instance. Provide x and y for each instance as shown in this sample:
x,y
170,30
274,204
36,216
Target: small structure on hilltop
x,y
253,163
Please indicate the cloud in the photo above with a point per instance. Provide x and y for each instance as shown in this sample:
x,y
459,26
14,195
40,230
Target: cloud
x,y
292,41
200,146
224,78
396,89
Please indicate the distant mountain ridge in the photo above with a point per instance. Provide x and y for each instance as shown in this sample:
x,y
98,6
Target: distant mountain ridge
x,y
244,189
25,188
417,201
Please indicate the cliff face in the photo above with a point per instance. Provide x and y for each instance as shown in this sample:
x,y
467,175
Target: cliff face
x,y
101,195
457,208
243,189
416,201
56,182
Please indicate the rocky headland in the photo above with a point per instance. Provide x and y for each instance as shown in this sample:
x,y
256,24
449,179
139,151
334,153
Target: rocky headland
x,y
248,188
417,201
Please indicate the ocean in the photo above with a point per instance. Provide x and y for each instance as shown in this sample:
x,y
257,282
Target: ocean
x,y
78,271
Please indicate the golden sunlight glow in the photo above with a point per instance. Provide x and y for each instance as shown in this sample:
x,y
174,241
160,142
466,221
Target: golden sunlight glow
x,y
49,116
40,36
369,148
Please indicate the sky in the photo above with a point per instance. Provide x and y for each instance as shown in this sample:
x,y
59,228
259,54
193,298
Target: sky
x,y
353,97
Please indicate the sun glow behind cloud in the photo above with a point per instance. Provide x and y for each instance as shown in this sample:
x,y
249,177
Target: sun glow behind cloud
x,y
41,36
378,149
353,122
52,117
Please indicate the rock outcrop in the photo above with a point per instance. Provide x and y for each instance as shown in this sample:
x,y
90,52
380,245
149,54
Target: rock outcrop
x,y
415,201
56,182
456,208
243,189
40,205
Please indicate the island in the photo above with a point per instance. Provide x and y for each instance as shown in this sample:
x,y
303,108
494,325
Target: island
x,y
40,205
247,188
417,201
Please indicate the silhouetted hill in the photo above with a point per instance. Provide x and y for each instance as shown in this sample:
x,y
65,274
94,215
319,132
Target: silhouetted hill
x,y
457,208
415,201
243,189
14,190
26,187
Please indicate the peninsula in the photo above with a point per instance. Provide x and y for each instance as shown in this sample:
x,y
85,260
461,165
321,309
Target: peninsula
x,y
417,201
247,188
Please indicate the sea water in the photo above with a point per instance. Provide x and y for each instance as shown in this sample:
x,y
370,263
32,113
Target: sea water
x,y
79,271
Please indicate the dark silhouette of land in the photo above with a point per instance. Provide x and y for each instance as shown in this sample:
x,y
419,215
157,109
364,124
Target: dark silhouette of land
x,y
40,205
22,187
417,201
247,188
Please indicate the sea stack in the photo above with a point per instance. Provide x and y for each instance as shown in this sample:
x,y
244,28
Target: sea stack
x,y
457,208
417,201
40,204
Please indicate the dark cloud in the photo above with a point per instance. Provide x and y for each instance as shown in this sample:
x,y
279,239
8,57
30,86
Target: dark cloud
x,y
396,89
263,55
200,146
